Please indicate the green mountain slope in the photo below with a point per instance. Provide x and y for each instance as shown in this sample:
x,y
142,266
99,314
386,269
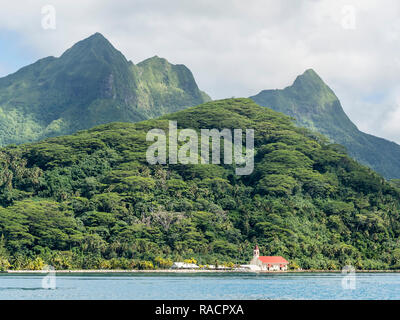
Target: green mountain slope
x,y
315,106
90,84
91,200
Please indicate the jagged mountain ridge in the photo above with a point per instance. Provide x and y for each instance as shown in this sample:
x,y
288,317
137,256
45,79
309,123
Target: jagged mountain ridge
x,y
90,84
315,106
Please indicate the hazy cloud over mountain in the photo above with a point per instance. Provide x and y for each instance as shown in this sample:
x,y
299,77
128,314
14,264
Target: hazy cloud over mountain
x,y
236,48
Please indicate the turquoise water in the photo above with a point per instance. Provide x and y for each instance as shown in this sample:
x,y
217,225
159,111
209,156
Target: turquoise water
x,y
200,287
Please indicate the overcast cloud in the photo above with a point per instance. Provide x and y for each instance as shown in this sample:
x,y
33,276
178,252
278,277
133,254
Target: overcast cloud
x,y
236,48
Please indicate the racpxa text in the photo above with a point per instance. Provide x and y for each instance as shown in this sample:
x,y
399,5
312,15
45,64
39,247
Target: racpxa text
x,y
221,309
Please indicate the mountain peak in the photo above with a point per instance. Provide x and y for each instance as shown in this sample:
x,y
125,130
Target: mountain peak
x,y
96,49
98,35
315,106
311,102
94,46
154,61
96,38
309,78
91,83
310,72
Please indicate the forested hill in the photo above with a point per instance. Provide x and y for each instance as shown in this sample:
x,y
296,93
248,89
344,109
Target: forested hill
x,y
315,106
91,83
90,200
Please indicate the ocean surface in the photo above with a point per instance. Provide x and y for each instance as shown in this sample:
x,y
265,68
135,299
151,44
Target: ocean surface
x,y
304,286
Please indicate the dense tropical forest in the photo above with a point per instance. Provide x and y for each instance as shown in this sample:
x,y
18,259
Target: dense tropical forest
x,y
90,200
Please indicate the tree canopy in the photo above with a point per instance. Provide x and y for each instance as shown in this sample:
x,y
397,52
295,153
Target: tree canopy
x,y
90,200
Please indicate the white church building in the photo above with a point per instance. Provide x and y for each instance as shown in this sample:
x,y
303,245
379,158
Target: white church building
x,y
268,263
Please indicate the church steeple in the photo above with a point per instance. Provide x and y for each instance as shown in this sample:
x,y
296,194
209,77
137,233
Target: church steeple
x,y
256,252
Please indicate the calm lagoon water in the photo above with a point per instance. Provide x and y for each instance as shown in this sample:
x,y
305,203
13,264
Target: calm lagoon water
x,y
200,286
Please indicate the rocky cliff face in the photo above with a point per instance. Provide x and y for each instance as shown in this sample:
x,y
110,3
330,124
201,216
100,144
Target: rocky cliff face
x,y
314,105
91,83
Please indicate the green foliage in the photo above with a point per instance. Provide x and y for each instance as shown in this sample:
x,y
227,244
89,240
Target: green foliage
x,y
90,200
145,265
277,185
163,263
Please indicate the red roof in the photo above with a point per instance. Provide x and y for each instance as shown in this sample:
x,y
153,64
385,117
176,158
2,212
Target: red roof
x,y
273,260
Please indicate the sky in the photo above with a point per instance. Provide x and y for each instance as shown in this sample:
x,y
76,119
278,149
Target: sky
x,y
233,47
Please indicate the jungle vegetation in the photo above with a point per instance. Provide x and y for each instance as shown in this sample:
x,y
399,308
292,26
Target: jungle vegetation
x,y
90,200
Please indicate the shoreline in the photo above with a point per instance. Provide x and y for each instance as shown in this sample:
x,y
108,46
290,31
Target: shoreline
x,y
188,271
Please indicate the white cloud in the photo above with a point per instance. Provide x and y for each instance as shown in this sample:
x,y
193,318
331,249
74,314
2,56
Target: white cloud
x,y
237,48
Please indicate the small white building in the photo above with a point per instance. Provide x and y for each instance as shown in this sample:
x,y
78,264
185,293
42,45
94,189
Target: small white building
x,y
184,265
213,267
249,267
269,263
